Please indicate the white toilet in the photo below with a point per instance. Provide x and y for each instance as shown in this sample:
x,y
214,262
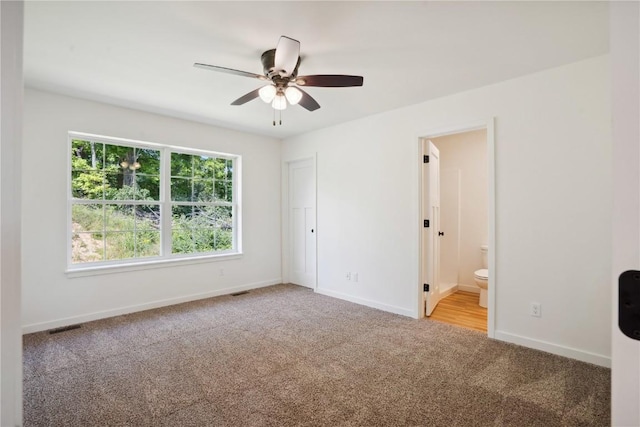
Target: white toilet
x,y
482,277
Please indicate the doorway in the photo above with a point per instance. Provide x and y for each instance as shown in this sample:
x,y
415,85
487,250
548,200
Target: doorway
x,y
457,224
301,211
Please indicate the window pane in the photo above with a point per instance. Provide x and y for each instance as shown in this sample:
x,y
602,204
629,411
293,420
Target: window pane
x,y
86,155
147,187
119,186
120,245
181,165
147,243
193,229
118,158
203,216
229,169
148,161
229,191
221,169
181,239
202,229
203,239
87,218
224,217
223,240
147,230
87,247
181,189
221,190
203,190
224,191
148,217
87,184
203,167
119,217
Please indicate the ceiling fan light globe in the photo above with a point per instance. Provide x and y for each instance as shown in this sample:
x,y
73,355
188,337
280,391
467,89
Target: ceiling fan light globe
x,y
293,95
279,102
267,93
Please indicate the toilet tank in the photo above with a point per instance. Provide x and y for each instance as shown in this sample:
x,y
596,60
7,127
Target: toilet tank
x,y
485,250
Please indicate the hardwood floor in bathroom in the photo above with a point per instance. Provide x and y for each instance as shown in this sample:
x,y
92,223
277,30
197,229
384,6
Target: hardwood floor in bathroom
x,y
461,309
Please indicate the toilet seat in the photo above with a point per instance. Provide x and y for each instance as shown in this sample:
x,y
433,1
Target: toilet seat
x,y
483,273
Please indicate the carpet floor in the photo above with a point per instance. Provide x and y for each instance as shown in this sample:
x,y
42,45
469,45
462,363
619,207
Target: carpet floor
x,y
286,356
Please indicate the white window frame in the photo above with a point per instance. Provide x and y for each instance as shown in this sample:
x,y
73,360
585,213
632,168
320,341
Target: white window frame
x,y
166,258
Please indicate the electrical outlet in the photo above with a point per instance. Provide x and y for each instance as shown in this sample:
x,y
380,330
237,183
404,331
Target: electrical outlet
x,y
222,271
354,276
535,309
348,276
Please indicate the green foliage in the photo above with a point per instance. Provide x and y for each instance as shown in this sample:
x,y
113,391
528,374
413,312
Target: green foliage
x,y
200,178
120,241
114,172
128,192
201,229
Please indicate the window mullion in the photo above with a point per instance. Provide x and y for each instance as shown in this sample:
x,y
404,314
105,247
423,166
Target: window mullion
x,y
165,201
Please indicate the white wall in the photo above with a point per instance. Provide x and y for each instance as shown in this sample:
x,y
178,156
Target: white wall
x,y
625,76
450,226
50,297
553,204
11,27
467,153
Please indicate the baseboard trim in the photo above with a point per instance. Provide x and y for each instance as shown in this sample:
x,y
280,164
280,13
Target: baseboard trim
x,y
560,350
43,326
449,289
369,303
469,288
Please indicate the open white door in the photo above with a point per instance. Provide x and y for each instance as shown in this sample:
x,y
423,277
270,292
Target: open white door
x,y
624,31
302,223
431,227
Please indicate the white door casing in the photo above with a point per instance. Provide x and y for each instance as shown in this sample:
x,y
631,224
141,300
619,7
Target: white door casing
x,y
302,223
431,212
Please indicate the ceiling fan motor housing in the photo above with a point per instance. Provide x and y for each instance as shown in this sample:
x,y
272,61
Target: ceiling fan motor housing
x,y
268,64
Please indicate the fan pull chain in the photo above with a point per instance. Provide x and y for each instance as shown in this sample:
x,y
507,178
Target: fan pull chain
x,y
279,117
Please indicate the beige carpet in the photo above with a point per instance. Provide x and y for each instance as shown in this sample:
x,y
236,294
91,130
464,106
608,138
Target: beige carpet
x,y
285,356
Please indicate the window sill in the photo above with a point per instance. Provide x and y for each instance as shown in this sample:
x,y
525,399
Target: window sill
x,y
148,265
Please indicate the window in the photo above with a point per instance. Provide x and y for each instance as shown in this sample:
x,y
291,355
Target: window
x,y
132,202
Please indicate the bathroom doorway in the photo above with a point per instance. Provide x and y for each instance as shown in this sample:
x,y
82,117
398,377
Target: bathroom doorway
x,y
457,244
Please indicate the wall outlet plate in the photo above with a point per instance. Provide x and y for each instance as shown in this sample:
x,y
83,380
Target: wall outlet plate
x,y
535,309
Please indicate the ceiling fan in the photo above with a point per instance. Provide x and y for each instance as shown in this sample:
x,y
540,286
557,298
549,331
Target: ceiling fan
x,y
281,70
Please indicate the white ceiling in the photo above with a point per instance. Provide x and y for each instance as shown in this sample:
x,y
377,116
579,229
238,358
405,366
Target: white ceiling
x,y
140,54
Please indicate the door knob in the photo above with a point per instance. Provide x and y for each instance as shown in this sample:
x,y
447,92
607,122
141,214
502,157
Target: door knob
x,y
312,230
629,303
440,233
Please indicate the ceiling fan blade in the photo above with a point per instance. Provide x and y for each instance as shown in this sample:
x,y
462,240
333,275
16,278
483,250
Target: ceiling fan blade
x,y
287,55
308,102
330,80
229,71
246,98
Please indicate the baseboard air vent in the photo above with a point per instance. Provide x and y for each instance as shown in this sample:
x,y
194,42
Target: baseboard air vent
x,y
239,293
64,329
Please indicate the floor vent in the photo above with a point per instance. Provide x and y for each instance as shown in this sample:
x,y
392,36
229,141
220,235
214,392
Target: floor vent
x,y
64,329
239,293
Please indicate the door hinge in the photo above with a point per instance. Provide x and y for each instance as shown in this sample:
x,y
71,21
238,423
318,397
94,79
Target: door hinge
x,y
426,287
426,223
425,158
